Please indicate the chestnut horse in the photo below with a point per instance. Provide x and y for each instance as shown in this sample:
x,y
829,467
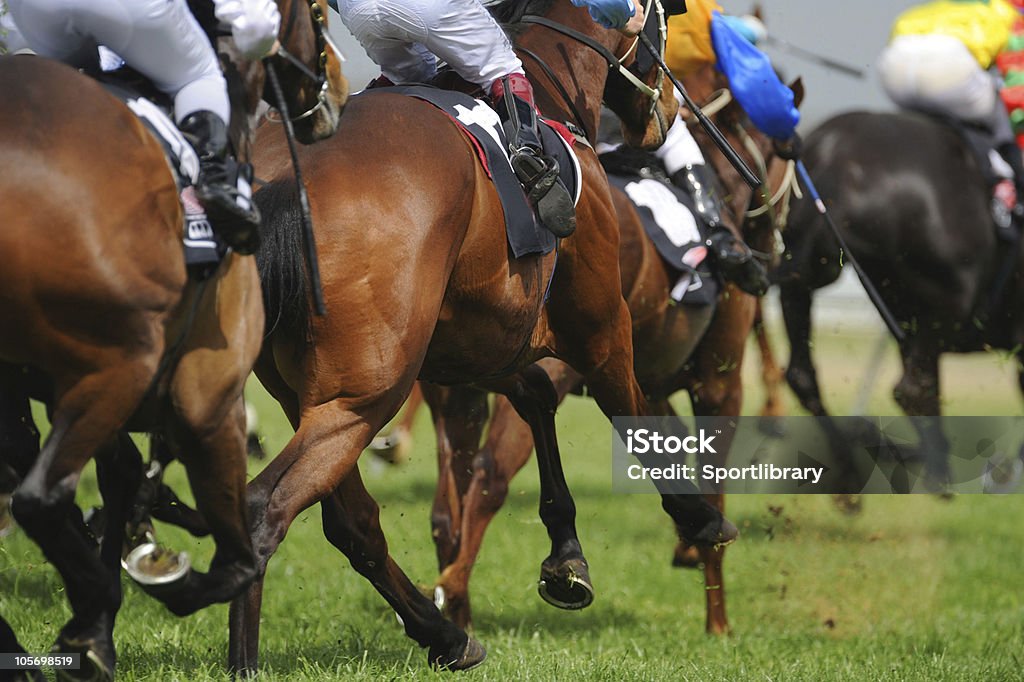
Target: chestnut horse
x,y
419,282
101,321
699,349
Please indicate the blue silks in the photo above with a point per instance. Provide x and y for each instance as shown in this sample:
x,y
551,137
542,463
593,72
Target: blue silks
x,y
767,100
608,13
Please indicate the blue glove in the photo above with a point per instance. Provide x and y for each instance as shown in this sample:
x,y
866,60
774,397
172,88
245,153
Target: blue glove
x,y
608,13
745,28
767,100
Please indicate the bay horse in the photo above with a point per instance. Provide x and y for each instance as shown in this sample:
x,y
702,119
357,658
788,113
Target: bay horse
x,y
102,322
676,347
419,282
913,207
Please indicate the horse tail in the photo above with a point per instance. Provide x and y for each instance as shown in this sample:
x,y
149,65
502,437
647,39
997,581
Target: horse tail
x,y
282,267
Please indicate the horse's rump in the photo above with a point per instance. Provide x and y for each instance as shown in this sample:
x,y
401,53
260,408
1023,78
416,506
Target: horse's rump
x,y
84,171
907,193
399,183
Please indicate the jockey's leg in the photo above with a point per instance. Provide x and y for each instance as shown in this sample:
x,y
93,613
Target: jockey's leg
x,y
404,35
688,170
163,41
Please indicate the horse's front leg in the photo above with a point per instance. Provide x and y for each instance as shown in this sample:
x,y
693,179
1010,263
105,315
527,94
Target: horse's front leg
x,y
564,574
87,413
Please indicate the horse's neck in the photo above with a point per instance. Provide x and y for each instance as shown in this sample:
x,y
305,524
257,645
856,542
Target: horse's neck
x,y
580,70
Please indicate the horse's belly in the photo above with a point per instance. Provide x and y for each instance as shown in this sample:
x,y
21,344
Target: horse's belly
x,y
467,347
662,348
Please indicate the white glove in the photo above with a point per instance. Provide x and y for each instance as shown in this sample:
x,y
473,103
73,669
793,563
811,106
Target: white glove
x,y
254,24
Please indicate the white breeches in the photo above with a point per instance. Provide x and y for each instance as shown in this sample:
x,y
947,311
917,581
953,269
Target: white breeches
x,y
937,73
679,149
159,38
407,37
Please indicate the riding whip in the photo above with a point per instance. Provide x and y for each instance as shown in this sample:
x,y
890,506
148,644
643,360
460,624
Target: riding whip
x,y
869,287
814,57
309,239
716,135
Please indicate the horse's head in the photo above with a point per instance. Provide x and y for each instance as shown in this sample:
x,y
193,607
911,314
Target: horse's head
x,y
759,212
638,91
575,63
309,65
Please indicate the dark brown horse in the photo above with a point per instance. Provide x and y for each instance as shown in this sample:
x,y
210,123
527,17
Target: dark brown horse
x,y
419,282
912,205
676,347
101,321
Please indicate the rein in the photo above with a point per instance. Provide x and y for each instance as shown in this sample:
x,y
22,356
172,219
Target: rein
x,y
615,64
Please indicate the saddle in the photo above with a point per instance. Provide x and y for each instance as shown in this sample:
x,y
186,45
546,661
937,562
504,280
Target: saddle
x,y
204,250
480,123
670,220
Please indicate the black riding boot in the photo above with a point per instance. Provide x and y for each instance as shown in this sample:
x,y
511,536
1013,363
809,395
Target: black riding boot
x,y
231,213
736,260
512,97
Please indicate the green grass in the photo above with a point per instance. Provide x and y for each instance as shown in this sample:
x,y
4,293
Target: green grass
x,y
915,588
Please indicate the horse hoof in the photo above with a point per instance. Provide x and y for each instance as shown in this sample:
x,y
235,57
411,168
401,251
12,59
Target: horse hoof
x,y
91,666
566,586
851,505
715,534
771,426
1001,476
392,448
473,654
685,556
150,565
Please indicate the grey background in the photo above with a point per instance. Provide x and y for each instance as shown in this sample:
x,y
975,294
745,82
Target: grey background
x,y
850,32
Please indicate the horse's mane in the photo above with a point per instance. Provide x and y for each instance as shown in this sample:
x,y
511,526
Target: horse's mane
x,y
280,258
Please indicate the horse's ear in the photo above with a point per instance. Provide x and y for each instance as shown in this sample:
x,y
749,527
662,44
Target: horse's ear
x,y
797,87
758,12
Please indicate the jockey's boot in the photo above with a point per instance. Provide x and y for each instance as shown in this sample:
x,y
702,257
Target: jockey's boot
x,y
224,184
1007,206
512,97
736,260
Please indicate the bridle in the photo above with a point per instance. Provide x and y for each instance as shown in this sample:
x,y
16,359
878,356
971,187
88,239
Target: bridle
x,y
616,64
323,42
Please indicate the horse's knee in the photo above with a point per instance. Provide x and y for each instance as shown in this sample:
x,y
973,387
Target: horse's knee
x,y
37,508
915,395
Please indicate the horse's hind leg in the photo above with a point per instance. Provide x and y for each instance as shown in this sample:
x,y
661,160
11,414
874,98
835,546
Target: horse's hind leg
x,y
917,393
771,375
507,450
460,414
315,461
88,411
352,524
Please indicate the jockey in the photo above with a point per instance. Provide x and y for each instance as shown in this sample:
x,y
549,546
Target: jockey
x,y
938,61
691,47
406,38
162,40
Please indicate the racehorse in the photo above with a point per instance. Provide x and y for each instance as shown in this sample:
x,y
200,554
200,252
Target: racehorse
x,y
699,349
418,282
102,322
912,205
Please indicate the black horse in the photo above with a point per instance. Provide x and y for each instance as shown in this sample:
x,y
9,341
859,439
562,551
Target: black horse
x,y
913,205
